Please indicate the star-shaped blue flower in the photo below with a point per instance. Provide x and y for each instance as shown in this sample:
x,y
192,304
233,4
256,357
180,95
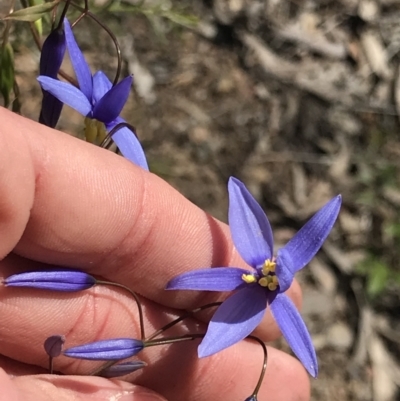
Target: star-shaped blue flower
x,y
266,283
96,99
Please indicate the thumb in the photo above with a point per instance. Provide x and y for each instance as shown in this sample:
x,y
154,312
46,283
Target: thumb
x,y
68,388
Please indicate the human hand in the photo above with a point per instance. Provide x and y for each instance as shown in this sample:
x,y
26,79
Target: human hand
x,y
68,203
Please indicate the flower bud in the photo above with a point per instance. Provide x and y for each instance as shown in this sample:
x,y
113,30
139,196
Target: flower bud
x,y
106,350
122,369
53,345
51,58
57,280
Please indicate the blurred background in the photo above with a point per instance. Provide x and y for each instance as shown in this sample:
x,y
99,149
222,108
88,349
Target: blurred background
x,y
300,99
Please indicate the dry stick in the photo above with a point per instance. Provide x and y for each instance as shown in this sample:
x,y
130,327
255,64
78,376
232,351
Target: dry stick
x,y
8,26
86,12
139,305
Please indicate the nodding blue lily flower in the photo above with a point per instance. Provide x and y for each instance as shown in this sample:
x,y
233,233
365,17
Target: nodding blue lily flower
x,y
264,285
106,350
66,280
53,345
97,99
51,57
122,369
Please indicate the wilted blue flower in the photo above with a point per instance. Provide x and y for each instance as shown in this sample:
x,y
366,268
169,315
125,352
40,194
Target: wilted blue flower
x,y
53,345
122,369
57,280
266,283
96,99
106,350
51,57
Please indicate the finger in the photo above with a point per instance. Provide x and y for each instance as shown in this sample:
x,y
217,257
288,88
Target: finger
x,y
174,371
30,316
229,375
107,216
16,368
67,388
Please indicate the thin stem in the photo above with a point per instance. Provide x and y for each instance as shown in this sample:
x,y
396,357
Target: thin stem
x,y
106,143
264,367
63,14
172,340
85,11
139,305
7,28
102,367
179,319
50,364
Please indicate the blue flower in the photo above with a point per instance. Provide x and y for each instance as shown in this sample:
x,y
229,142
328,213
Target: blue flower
x,y
266,283
96,99
106,350
66,280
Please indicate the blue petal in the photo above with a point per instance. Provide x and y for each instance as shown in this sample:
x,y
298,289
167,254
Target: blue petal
x,y
51,110
215,279
128,144
101,85
250,228
107,109
295,332
105,350
283,269
67,94
308,240
56,280
79,64
52,54
234,320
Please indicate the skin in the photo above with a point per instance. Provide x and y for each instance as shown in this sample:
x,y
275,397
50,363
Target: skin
x,y
68,203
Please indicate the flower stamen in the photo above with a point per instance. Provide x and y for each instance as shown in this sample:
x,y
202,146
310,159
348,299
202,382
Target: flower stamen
x,y
268,267
249,278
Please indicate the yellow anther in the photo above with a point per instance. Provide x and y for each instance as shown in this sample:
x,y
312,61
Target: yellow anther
x,y
268,267
273,284
249,278
264,281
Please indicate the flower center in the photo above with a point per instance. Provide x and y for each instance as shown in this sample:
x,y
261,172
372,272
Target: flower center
x,y
266,279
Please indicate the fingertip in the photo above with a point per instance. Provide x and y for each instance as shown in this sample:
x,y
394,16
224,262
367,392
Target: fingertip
x,y
80,388
8,390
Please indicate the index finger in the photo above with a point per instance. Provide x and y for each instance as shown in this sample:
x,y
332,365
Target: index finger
x,y
77,205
